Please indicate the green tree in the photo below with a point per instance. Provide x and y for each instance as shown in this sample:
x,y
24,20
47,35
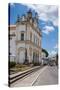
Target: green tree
x,y
45,51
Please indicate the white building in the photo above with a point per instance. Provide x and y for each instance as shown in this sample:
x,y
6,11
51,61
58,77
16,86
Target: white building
x,y
43,55
25,40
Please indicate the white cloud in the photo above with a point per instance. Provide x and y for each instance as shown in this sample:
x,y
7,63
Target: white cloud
x,y
46,12
56,46
43,17
12,4
55,22
47,29
52,53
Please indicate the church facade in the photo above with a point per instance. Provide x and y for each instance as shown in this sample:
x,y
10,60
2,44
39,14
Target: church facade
x,y
25,40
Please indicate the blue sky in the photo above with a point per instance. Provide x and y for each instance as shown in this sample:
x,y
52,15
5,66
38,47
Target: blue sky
x,y
48,22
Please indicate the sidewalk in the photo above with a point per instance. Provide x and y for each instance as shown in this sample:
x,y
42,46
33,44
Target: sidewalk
x,y
19,73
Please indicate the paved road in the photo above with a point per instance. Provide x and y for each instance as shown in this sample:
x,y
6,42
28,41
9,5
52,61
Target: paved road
x,y
48,77
45,76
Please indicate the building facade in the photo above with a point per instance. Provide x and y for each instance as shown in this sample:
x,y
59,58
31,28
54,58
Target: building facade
x,y
25,40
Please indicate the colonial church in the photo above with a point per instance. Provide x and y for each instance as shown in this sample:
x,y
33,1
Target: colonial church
x,y
25,39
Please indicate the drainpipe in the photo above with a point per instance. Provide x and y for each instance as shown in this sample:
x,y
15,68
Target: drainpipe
x,y
26,61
